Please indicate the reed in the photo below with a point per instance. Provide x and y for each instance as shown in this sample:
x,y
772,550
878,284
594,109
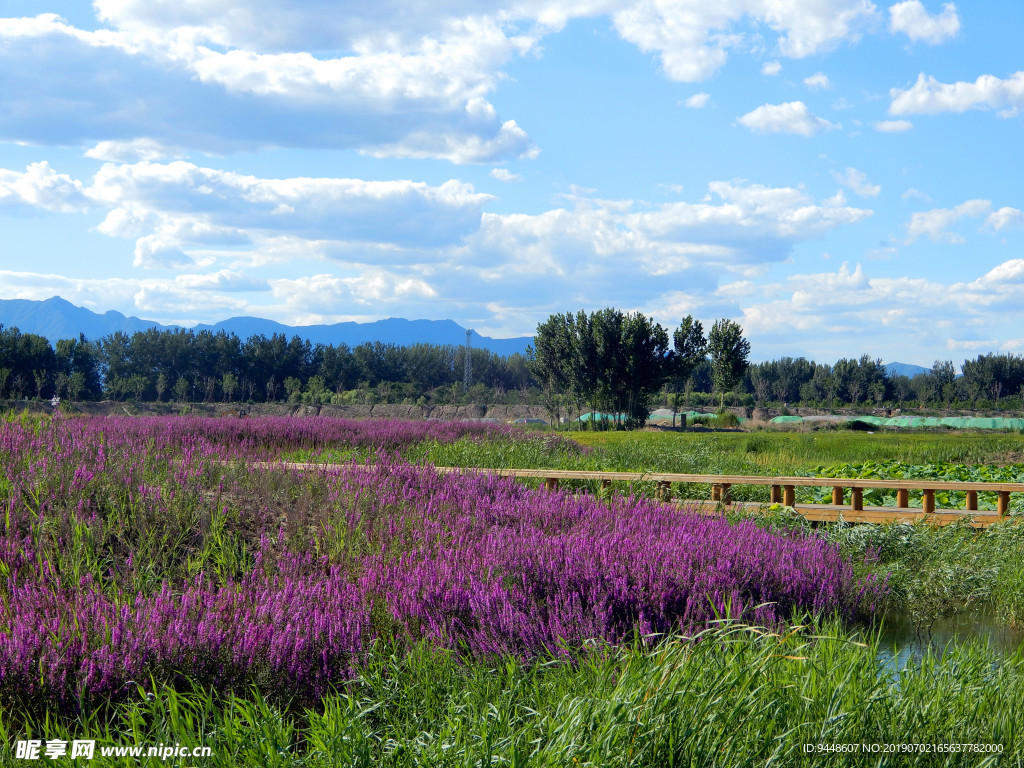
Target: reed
x,y
731,695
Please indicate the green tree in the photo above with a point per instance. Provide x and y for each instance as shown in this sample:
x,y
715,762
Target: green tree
x,y
161,385
181,389
647,362
613,360
60,383
315,387
860,378
293,389
76,383
691,350
138,384
228,385
583,366
82,357
729,351
41,376
548,358
943,379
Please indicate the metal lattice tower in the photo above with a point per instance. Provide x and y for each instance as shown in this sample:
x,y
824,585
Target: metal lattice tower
x,y
467,368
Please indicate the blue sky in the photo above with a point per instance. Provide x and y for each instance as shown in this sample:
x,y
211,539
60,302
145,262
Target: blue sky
x,y
841,177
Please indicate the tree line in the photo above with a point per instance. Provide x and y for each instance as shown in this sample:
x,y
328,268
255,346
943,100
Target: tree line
x,y
988,381
616,363
187,366
606,361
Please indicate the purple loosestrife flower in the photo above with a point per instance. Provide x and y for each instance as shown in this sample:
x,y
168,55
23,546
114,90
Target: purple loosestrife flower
x,y
474,562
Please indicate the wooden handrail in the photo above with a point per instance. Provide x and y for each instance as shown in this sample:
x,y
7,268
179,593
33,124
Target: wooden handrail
x,y
677,477
782,488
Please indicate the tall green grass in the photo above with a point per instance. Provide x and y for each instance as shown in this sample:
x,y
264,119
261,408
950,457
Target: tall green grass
x,y
733,696
747,453
766,452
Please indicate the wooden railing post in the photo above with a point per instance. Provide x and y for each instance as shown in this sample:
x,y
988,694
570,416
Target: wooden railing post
x,y
788,495
664,490
782,490
857,499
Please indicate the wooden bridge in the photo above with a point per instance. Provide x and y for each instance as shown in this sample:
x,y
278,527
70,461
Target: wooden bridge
x,y
783,491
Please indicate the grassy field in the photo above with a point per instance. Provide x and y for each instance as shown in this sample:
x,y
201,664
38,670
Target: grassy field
x,y
155,589
763,452
768,452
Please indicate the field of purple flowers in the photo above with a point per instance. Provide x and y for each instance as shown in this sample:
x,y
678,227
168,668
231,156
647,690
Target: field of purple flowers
x,y
136,551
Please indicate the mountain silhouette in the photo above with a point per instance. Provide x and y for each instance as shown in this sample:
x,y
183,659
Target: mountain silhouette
x,y
57,318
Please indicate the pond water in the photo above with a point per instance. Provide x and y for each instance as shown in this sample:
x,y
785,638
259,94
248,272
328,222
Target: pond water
x,y
901,641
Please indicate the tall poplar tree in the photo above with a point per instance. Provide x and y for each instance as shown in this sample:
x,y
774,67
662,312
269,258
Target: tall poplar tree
x,y
729,350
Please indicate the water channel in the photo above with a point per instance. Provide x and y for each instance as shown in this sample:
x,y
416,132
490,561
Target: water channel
x,y
901,641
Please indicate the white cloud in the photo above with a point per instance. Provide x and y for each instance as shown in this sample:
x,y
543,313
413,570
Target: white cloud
x,y
1004,217
177,300
160,252
912,19
771,68
172,206
139,88
504,174
693,38
223,280
916,193
818,81
389,79
1008,273
167,299
998,294
747,212
588,248
857,181
326,293
893,126
790,117
511,141
133,151
849,312
311,25
936,222
40,187
381,248
928,96
698,101
182,215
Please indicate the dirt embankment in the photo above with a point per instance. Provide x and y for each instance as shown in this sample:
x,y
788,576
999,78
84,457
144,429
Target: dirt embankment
x,y
500,413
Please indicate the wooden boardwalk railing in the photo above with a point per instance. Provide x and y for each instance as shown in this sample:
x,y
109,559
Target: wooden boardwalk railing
x,y
783,491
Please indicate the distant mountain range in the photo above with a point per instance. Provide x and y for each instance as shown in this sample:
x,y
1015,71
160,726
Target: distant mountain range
x,y
57,318
904,369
